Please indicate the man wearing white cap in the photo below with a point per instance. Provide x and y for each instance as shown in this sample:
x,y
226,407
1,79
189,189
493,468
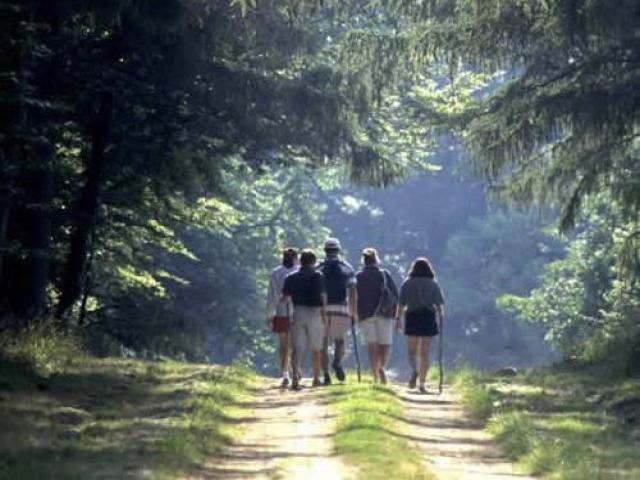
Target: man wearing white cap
x,y
340,282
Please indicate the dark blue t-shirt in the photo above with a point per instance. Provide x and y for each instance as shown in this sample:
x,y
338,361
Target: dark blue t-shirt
x,y
339,276
370,285
305,286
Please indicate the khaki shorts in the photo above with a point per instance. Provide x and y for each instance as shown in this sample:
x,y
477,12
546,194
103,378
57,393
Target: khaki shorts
x,y
338,326
377,330
307,329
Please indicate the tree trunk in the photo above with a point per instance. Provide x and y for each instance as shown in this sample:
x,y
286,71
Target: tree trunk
x,y
37,239
86,210
88,284
5,208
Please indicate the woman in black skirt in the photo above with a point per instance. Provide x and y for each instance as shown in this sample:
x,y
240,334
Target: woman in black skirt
x,y
421,302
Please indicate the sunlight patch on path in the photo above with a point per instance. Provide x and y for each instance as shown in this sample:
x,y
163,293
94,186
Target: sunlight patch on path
x,y
452,446
288,435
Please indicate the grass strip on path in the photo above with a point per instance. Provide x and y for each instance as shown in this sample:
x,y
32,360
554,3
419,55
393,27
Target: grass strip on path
x,y
89,418
367,433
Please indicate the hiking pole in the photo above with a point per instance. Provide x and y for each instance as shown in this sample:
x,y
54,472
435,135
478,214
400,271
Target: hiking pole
x,y
440,354
355,346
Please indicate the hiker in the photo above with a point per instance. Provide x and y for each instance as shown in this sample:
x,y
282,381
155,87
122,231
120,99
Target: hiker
x,y
340,282
278,309
377,303
421,302
306,290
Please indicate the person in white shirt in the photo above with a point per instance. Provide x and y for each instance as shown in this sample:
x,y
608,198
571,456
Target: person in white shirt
x,y
279,309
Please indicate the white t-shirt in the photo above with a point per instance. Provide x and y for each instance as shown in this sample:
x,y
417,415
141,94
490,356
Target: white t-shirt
x,y
276,305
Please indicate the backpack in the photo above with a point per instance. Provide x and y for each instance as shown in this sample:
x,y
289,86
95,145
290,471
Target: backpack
x,y
335,281
388,300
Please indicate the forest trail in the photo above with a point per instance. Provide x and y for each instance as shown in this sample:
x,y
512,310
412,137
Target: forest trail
x,y
289,436
452,446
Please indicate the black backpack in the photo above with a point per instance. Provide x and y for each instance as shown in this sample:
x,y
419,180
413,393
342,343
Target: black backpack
x,y
335,281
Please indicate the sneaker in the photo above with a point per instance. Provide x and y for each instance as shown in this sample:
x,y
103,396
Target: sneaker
x,y
285,382
413,380
383,376
423,389
295,385
339,372
317,383
327,379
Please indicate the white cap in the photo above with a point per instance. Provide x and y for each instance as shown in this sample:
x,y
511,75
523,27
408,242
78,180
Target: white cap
x,y
332,244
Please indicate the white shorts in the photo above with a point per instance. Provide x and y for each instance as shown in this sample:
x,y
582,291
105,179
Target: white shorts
x,y
377,330
307,329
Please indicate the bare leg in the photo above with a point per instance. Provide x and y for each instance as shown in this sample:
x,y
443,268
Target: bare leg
x,y
284,353
383,358
324,355
424,358
374,360
315,364
338,353
298,335
295,369
412,350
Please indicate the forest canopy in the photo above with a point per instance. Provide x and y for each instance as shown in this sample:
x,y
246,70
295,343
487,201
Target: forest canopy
x,y
157,155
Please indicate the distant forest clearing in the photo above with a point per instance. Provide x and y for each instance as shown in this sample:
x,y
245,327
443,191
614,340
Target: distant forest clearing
x,y
157,157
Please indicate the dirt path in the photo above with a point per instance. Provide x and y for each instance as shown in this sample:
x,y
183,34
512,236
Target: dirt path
x,y
452,446
289,437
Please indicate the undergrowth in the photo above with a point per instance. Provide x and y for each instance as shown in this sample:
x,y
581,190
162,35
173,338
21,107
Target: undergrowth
x,y
476,397
67,415
43,349
556,424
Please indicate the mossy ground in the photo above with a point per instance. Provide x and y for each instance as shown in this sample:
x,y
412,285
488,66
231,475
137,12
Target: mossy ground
x,y
96,418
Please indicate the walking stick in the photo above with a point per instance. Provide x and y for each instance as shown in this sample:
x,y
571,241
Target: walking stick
x,y
440,355
355,346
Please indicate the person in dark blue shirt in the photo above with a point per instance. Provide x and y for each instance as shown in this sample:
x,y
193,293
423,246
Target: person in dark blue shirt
x,y
377,303
306,290
340,282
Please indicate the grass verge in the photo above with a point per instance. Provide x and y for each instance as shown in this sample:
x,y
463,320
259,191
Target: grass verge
x,y
367,433
476,396
561,424
88,418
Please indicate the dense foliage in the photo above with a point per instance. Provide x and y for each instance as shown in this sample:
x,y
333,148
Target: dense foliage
x,y
155,157
139,136
589,311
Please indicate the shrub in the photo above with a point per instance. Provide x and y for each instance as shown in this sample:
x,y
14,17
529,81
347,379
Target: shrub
x,y
476,397
44,348
515,432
